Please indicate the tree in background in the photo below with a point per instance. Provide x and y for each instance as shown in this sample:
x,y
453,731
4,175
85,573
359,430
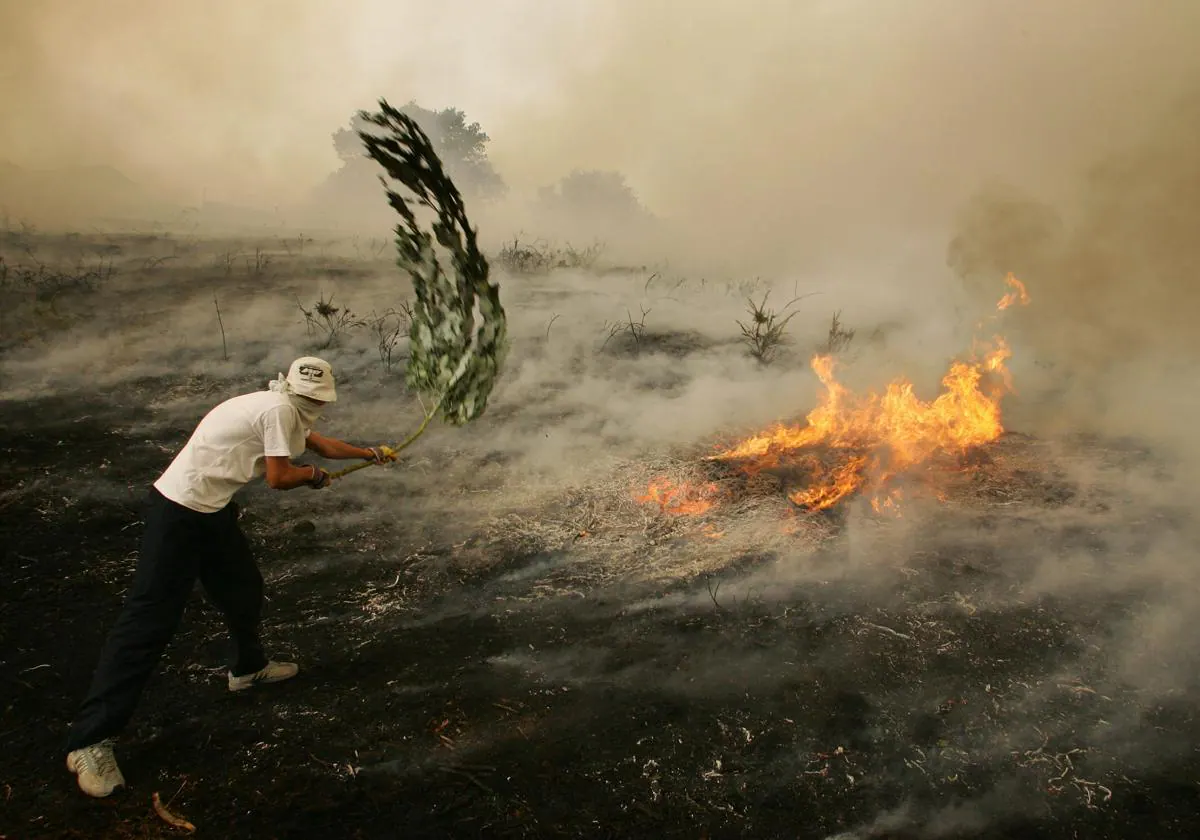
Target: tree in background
x,y
349,197
598,201
462,147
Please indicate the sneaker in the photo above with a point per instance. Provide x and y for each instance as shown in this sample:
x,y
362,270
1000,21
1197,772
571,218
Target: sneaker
x,y
96,769
274,672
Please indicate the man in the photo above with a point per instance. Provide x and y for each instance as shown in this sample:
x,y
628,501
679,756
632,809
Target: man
x,y
191,532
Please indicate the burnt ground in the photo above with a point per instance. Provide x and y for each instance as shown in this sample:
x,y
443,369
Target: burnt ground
x,y
468,708
583,667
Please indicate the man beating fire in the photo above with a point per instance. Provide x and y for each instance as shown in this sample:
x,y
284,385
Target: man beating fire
x,y
191,531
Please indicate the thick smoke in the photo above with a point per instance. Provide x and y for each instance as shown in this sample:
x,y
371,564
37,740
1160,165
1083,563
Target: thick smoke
x,y
235,103
781,137
1114,265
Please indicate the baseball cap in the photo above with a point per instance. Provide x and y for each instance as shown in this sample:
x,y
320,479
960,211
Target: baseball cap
x,y
313,378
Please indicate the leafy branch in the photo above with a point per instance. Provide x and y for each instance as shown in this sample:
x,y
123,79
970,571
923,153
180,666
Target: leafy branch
x,y
458,332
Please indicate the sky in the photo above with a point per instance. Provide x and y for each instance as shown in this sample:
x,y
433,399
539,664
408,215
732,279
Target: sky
x,y
238,99
775,125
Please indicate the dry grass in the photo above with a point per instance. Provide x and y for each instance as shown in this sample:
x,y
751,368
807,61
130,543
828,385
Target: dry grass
x,y
604,534
603,531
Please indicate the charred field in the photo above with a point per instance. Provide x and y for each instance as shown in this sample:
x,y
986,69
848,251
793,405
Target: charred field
x,y
505,635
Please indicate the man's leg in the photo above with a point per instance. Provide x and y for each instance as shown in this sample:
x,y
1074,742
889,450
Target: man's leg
x,y
235,585
165,576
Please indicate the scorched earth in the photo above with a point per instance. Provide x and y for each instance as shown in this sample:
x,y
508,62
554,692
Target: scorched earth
x,y
894,618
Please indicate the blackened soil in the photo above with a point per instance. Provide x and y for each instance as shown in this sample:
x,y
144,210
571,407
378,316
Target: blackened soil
x,y
433,704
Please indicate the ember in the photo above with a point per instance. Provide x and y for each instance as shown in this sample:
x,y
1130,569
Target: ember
x,y
679,499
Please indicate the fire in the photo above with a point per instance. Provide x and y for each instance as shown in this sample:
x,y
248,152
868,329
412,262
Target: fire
x,y
679,499
875,437
881,435
1017,295
712,533
889,504
855,443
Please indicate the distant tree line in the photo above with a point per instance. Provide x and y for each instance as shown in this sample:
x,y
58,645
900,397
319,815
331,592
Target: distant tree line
x,y
594,198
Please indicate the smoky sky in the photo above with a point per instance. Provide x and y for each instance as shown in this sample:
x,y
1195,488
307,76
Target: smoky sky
x,y
781,128
237,101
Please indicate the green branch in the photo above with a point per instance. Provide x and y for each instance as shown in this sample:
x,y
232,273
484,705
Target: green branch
x,y
458,339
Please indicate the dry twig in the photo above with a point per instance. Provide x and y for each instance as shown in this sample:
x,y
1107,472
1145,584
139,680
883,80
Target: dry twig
x,y
168,817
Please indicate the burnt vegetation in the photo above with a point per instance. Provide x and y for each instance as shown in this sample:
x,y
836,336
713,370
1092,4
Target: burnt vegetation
x,y
329,323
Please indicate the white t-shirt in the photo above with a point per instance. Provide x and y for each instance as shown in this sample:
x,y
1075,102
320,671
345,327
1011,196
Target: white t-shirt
x,y
229,449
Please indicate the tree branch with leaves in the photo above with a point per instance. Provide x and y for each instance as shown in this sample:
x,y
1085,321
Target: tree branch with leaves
x,y
458,336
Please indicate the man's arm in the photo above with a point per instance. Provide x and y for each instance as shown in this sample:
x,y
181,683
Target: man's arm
x,y
282,474
336,450
278,425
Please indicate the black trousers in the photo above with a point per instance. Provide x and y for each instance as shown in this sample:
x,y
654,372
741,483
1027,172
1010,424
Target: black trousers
x,y
179,545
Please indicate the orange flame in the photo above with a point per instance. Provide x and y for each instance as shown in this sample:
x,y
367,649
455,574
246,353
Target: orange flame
x,y
1017,295
882,435
873,437
889,503
679,499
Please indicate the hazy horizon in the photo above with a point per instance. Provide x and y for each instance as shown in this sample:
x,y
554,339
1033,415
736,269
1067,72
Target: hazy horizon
x,y
781,131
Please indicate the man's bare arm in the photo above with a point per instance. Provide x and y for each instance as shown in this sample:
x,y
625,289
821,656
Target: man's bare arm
x,y
282,474
336,450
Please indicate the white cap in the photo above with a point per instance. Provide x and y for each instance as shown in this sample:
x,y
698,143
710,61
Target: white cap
x,y
312,377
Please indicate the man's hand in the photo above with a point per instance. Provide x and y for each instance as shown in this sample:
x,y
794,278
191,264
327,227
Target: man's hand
x,y
338,450
381,455
320,478
282,474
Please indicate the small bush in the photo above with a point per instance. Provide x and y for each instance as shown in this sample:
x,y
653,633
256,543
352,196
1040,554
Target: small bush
x,y
32,295
632,331
526,258
295,247
18,235
329,321
839,337
258,263
47,284
584,258
370,251
744,288
388,327
539,257
766,332
226,261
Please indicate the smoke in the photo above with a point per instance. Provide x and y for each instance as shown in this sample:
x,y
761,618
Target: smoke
x,y
1114,265
236,103
793,133
780,137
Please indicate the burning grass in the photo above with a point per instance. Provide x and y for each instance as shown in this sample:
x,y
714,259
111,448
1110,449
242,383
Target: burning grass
x,y
867,443
689,499
605,530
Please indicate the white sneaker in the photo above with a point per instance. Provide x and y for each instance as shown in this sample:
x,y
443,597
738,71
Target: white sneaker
x,y
96,769
274,672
